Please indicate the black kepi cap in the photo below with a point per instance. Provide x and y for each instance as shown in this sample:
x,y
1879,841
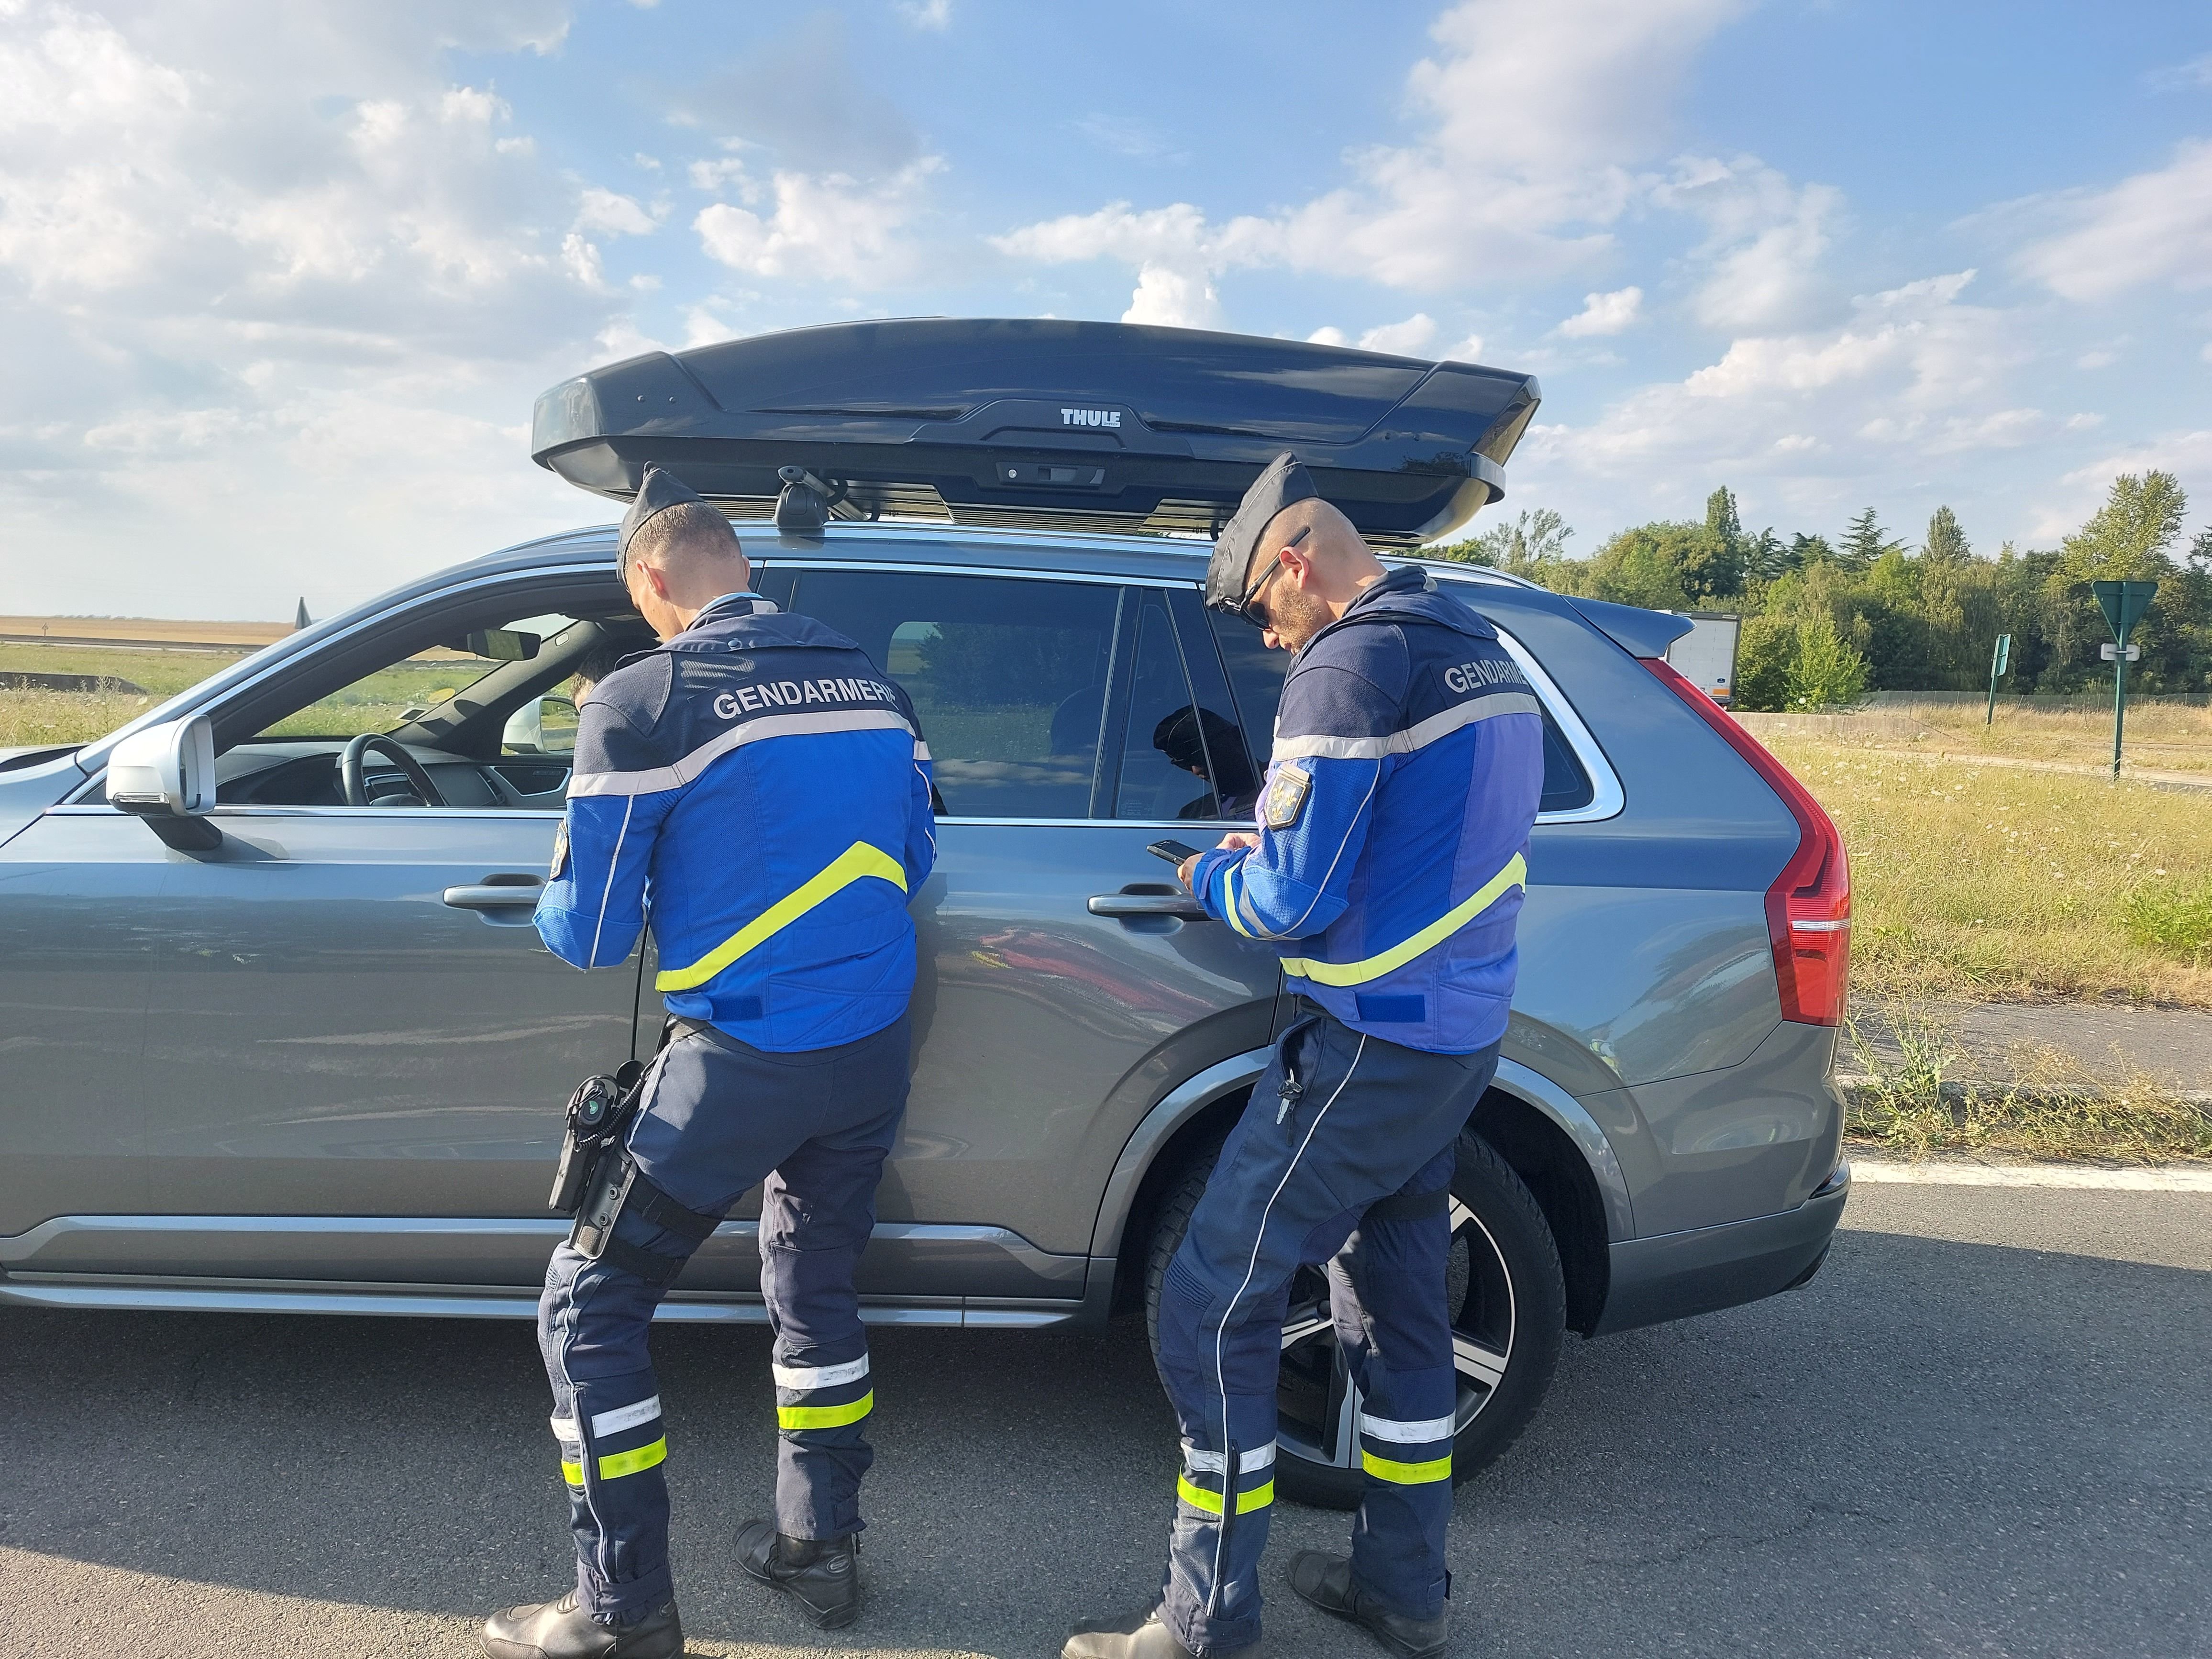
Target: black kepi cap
x,y
1227,577
658,491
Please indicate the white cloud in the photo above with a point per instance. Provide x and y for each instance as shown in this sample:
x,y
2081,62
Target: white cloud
x,y
1173,299
247,273
2187,454
1604,313
1469,351
1534,117
613,215
826,226
2153,227
1822,416
1766,237
2097,359
1329,336
2196,72
1407,339
1123,135
936,14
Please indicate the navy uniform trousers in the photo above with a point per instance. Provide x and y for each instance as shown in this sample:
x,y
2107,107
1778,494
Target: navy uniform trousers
x,y
1339,1120
812,1130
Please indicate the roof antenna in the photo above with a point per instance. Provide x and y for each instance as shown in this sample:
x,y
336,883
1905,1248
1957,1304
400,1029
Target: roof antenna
x,y
803,508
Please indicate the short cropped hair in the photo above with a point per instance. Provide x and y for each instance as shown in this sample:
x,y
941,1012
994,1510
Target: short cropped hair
x,y
693,525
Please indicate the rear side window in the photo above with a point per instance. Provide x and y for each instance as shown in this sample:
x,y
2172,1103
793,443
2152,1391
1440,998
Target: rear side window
x,y
1256,674
1008,677
1256,677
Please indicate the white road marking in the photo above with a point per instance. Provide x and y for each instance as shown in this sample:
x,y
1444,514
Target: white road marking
x,y
2157,1178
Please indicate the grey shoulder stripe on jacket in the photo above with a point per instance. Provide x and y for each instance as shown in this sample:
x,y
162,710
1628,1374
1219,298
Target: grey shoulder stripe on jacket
x,y
1418,736
685,771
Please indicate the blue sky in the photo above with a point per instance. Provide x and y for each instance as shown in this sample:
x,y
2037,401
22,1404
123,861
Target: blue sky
x,y
277,285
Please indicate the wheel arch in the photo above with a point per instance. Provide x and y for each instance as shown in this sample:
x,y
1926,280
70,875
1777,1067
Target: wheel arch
x,y
1550,1142
1199,1110
1584,1212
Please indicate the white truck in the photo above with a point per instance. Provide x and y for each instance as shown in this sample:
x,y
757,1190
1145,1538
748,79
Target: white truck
x,y
1705,656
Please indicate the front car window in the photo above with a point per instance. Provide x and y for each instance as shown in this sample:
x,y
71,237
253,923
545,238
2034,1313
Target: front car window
x,y
403,691
486,714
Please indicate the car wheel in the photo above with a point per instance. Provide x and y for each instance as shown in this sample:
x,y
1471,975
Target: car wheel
x,y
1508,1306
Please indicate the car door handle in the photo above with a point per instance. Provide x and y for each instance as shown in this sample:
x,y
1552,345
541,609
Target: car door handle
x,y
1147,904
520,893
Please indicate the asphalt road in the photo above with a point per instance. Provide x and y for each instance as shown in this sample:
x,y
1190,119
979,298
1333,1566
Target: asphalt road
x,y
1985,1429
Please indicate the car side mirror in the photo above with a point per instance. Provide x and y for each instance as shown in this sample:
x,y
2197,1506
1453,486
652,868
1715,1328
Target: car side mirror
x,y
166,774
544,725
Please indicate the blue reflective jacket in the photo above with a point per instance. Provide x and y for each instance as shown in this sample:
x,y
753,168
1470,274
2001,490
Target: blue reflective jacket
x,y
1393,828
763,791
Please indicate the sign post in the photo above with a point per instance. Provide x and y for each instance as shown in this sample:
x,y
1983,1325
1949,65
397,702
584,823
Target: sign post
x,y
2123,605
2000,659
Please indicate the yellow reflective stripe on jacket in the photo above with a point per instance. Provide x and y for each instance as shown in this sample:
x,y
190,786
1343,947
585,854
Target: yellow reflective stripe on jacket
x,y
825,1416
615,1465
1515,874
1199,1498
855,862
1405,1475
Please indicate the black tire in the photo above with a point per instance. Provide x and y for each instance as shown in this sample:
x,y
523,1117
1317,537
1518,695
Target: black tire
x,y
1508,1308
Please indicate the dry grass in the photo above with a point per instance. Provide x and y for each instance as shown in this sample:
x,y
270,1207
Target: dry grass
x,y
373,703
1992,882
28,718
2052,1106
2170,737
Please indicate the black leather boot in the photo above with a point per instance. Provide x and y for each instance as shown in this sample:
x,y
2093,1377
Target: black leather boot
x,y
822,1575
562,1630
1326,1581
1139,1635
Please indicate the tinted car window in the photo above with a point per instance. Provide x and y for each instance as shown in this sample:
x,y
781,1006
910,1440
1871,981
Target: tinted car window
x,y
1008,677
1256,674
1166,772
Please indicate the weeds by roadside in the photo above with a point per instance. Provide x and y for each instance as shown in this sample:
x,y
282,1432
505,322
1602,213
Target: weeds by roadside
x,y
2052,1107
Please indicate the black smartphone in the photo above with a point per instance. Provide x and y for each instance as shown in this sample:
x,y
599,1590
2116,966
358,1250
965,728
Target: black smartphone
x,y
1173,851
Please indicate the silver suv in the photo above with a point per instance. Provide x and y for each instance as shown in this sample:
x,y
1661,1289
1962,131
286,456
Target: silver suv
x,y
280,1036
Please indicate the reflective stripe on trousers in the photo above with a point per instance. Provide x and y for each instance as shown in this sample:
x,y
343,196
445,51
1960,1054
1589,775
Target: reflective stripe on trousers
x,y
1388,1124
813,1134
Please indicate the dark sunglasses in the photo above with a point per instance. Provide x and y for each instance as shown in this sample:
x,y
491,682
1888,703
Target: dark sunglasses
x,y
1248,607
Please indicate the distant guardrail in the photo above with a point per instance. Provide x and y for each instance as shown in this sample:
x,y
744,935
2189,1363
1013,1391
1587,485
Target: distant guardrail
x,y
13,679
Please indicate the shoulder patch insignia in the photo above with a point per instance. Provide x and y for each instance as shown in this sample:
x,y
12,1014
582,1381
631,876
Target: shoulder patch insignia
x,y
560,851
1286,796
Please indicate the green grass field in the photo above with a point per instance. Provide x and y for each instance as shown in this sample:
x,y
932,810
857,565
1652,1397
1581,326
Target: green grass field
x,y
1995,882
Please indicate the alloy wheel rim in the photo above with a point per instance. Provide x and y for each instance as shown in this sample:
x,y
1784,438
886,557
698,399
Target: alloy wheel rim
x,y
1318,1404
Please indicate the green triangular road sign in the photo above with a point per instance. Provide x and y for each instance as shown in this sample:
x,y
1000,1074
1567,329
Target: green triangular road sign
x,y
2123,603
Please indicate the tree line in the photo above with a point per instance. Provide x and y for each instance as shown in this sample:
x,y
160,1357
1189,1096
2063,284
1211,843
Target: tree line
x,y
1827,621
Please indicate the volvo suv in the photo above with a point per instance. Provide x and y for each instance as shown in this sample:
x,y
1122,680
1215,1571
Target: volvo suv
x,y
282,1037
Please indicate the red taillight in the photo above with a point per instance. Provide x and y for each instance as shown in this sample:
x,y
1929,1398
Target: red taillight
x,y
1809,907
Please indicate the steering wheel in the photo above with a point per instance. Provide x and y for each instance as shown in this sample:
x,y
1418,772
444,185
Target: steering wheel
x,y
356,788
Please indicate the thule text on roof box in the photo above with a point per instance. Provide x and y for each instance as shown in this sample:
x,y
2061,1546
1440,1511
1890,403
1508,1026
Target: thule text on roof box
x,y
1042,425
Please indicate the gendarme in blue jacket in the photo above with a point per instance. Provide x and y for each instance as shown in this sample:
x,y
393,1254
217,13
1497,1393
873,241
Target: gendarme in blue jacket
x,y
763,790
1393,829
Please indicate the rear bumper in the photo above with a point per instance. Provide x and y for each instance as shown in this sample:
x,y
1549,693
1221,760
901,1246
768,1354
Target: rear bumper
x,y
1675,1275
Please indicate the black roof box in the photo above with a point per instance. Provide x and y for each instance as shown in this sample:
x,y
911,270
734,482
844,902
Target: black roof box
x,y
1044,424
